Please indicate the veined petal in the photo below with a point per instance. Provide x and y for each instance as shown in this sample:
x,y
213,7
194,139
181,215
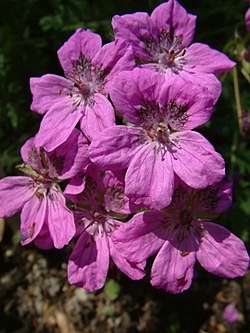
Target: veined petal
x,y
89,262
193,103
32,218
97,117
70,158
82,42
171,16
150,178
43,240
115,146
195,161
221,252
60,220
46,91
134,29
202,58
141,237
172,271
134,271
130,90
57,125
114,57
14,193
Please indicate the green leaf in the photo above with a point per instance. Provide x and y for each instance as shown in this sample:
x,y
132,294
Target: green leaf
x,y
112,289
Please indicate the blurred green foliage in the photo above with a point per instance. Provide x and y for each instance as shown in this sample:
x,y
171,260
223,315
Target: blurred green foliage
x,y
31,32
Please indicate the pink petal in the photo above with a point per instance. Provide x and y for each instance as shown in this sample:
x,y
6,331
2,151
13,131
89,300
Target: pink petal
x,y
134,29
150,178
46,91
82,42
171,16
70,158
115,146
134,271
171,270
57,125
43,240
97,117
221,252
195,99
141,237
60,220
89,262
195,161
14,193
201,58
247,19
32,218
131,89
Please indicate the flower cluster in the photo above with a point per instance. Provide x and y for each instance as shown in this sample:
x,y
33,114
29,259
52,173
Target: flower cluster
x,y
146,184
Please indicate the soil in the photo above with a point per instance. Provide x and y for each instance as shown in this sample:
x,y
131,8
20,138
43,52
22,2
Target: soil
x,y
35,297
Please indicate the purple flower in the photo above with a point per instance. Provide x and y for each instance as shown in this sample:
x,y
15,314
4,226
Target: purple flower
x,y
182,233
81,96
161,143
162,41
45,217
247,19
97,209
230,313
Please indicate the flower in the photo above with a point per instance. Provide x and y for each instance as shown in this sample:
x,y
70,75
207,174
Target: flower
x,y
45,217
230,313
97,211
161,143
162,41
82,95
182,233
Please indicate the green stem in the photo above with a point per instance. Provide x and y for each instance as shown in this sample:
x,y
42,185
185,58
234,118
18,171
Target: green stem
x,y
237,99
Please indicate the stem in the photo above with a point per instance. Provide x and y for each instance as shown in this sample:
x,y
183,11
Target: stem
x,y
237,99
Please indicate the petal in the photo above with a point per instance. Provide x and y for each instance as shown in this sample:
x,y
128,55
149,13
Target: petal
x,y
30,155
209,81
57,125
149,179
14,193
97,117
221,252
172,271
115,146
134,271
134,29
214,199
195,161
74,187
114,198
247,19
47,90
114,57
131,90
141,237
192,104
202,58
60,220
82,42
32,219
43,240
171,16
70,158
89,262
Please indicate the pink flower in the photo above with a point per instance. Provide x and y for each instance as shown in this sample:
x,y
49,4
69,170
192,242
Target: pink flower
x,y
230,313
162,41
81,96
97,211
161,143
45,217
182,233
